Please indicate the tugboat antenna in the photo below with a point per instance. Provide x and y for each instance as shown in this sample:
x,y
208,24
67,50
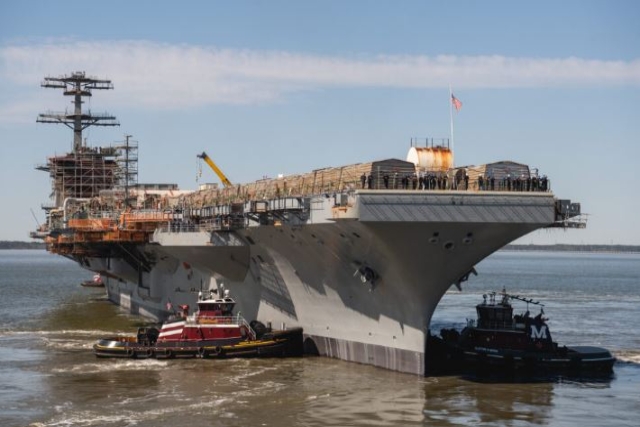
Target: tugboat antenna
x,y
519,298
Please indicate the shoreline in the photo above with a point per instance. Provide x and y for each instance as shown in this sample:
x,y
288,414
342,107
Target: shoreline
x,y
584,248
16,244
558,247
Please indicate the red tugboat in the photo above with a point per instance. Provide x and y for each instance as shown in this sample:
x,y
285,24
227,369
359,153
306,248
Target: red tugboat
x,y
213,331
96,282
501,339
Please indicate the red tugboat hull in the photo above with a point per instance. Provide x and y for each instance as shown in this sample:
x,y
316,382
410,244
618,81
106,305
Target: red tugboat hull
x,y
213,331
286,343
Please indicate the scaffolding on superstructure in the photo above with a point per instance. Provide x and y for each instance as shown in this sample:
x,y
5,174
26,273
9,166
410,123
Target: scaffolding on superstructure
x,y
127,171
95,191
81,175
85,171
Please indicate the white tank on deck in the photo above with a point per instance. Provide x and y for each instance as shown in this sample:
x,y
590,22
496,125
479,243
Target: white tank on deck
x,y
432,159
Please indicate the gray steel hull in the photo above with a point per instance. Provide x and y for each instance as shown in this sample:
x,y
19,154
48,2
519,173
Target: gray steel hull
x,y
310,274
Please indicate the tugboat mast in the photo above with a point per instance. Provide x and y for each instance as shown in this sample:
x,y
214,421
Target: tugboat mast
x,y
78,86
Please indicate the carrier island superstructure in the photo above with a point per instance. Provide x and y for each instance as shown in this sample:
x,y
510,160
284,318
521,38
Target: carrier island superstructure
x,y
357,255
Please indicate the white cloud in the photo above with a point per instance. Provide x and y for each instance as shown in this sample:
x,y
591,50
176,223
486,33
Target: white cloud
x,y
168,76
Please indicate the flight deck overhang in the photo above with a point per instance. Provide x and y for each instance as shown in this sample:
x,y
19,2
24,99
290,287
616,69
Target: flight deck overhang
x,y
463,207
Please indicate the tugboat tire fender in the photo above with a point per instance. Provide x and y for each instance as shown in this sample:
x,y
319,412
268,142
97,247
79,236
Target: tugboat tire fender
x,y
149,352
217,351
130,352
202,352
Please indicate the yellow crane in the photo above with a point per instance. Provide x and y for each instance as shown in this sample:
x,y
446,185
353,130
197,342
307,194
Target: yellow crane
x,y
216,169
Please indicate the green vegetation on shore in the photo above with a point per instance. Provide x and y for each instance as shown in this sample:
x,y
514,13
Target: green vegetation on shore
x,y
574,248
15,244
5,244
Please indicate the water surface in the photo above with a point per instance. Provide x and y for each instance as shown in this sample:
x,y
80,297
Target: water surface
x,y
49,376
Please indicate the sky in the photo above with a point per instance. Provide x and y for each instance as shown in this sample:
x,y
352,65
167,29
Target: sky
x,y
281,87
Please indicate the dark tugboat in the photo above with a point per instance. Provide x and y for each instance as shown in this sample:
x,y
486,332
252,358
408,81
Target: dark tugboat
x,y
213,331
503,340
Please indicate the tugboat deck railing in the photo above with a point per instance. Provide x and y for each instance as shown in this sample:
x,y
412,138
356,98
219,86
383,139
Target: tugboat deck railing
x,y
235,320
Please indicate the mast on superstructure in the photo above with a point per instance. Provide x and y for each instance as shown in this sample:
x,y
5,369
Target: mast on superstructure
x,y
85,171
77,85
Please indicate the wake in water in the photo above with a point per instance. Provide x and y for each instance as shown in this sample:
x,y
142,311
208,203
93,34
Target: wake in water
x,y
68,415
44,334
628,356
110,366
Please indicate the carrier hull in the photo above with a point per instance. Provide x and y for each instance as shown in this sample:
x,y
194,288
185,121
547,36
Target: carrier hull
x,y
311,275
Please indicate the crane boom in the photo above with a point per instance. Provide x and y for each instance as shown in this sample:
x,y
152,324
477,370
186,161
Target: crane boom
x,y
216,169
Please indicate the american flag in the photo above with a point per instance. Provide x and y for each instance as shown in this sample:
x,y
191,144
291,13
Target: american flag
x,y
456,102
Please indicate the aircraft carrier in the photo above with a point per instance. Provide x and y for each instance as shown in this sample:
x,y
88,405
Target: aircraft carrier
x,y
357,255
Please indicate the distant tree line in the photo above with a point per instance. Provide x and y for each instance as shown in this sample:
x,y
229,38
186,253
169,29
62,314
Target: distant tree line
x,y
574,248
9,244
14,244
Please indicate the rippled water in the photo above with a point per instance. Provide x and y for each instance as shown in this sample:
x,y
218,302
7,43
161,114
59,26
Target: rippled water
x,y
49,376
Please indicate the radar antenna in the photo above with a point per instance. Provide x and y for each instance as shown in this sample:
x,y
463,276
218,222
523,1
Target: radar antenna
x,y
77,85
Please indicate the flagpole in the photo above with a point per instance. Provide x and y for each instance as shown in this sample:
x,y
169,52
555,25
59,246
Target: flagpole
x,y
451,121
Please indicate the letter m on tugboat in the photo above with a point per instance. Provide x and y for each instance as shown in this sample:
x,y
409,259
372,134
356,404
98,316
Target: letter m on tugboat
x,y
538,332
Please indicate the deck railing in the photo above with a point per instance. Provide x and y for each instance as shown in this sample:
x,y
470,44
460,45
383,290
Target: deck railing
x,y
236,320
